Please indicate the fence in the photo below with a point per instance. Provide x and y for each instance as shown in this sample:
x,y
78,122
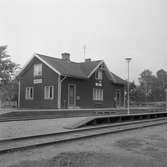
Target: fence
x,y
8,104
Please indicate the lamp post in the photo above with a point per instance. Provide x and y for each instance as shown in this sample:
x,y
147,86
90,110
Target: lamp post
x,y
128,61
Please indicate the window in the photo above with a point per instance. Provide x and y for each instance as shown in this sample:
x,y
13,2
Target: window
x,y
98,94
48,92
37,69
29,94
99,75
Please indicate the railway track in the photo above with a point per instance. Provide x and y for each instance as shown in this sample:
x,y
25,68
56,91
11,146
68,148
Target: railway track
x,y
29,142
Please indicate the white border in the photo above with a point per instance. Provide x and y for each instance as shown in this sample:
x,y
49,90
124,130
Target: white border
x,y
90,74
38,57
108,71
49,98
47,64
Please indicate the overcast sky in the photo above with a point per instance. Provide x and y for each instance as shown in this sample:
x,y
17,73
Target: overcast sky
x,y
110,29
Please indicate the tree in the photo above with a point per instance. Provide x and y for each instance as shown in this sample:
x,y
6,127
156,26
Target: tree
x,y
8,86
152,88
132,91
7,67
162,78
162,83
146,82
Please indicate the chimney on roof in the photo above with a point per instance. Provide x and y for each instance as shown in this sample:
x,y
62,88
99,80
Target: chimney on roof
x,y
88,60
65,56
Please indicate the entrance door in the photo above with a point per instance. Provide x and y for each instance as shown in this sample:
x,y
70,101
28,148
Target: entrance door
x,y
118,98
71,95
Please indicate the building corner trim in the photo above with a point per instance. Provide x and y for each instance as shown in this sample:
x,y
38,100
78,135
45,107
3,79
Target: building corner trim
x,y
19,94
59,93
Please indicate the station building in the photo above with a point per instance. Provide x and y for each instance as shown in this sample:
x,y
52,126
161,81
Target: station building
x,y
48,82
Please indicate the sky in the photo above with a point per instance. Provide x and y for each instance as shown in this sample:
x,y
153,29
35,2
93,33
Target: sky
x,y
111,30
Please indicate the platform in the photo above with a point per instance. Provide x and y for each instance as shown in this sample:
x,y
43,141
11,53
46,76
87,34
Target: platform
x,y
16,129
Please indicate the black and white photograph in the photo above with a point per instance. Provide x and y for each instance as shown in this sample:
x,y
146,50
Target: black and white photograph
x,y
83,83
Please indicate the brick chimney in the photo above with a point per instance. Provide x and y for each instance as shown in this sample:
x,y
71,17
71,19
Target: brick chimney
x,y
88,60
65,56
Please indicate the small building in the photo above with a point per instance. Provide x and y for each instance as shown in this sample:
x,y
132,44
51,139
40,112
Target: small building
x,y
48,82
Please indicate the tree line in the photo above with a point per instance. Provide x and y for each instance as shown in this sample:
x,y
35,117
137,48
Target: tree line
x,y
151,87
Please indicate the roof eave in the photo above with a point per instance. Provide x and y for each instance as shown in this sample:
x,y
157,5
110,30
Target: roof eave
x,y
26,64
55,70
91,73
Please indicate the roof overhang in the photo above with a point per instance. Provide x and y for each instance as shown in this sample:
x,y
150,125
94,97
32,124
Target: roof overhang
x,y
36,55
91,73
43,61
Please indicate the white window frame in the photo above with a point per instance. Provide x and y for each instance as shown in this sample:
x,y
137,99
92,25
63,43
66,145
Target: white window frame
x,y
99,75
38,69
97,94
47,94
28,95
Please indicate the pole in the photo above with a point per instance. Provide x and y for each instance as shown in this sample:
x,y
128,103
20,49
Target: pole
x,y
19,94
128,89
128,108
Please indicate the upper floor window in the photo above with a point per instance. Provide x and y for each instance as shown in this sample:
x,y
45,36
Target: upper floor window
x,y
48,92
37,69
99,75
29,94
98,94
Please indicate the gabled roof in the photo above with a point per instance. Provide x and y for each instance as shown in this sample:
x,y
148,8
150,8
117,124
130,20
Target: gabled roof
x,y
117,79
69,68
82,70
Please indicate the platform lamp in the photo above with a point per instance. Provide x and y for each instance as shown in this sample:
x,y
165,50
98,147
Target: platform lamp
x,y
128,102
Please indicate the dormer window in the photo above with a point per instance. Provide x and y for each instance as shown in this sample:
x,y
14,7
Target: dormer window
x,y
99,75
37,69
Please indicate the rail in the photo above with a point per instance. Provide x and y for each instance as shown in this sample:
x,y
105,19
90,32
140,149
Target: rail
x,y
139,121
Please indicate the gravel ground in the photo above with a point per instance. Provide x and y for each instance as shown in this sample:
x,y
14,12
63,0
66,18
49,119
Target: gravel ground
x,y
7,110
35,127
140,148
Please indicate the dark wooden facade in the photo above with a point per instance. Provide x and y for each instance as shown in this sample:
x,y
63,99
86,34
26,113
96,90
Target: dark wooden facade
x,y
83,89
49,77
84,93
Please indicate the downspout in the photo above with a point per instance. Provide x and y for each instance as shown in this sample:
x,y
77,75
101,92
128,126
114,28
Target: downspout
x,y
59,93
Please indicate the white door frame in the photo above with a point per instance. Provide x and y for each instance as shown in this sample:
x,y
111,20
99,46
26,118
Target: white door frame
x,y
74,95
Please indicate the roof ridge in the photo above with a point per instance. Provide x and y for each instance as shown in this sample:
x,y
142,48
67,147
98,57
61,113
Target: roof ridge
x,y
69,61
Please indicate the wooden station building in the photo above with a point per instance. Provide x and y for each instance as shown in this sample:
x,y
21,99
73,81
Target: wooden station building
x,y
48,82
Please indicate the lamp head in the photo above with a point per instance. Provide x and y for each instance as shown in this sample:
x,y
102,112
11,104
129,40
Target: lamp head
x,y
128,59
